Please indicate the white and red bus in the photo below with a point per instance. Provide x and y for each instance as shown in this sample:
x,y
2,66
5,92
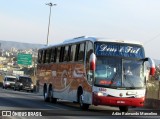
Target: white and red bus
x,y
94,71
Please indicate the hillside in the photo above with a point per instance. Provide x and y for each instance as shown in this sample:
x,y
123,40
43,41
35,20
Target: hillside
x,y
157,62
9,44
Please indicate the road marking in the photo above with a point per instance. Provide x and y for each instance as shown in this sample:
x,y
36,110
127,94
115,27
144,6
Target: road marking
x,y
56,107
8,95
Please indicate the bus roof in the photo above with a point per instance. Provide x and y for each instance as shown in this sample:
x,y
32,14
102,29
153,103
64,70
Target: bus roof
x,y
93,39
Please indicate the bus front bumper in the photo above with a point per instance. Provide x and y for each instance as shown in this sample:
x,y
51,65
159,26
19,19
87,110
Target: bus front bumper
x,y
118,101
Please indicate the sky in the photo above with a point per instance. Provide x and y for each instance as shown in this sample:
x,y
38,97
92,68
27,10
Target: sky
x,y
27,21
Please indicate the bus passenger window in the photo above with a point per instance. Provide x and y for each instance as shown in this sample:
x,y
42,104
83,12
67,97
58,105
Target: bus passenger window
x,y
81,52
69,53
58,54
72,53
47,56
40,56
61,56
65,58
52,55
43,56
77,52
89,51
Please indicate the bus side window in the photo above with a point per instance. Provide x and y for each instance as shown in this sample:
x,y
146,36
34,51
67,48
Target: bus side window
x,y
52,55
47,56
77,52
43,56
55,55
66,50
72,53
89,51
44,59
69,53
58,54
61,56
81,52
40,56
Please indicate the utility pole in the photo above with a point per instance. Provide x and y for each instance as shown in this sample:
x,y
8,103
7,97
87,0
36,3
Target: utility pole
x,y
50,5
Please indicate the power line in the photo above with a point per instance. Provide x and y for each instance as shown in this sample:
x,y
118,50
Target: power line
x,y
151,39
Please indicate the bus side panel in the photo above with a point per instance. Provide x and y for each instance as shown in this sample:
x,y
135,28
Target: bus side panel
x,y
65,80
80,79
61,80
42,76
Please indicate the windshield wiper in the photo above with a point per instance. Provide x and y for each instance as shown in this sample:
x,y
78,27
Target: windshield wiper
x,y
131,87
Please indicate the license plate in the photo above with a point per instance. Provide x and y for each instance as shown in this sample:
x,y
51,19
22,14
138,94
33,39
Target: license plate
x,y
120,102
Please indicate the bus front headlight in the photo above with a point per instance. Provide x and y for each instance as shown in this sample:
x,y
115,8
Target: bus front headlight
x,y
7,83
32,85
100,94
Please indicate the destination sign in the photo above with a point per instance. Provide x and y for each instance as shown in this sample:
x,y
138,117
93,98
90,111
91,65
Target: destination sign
x,y
122,50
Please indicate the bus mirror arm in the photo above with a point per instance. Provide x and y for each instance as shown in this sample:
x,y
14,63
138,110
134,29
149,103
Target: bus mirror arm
x,y
152,65
89,76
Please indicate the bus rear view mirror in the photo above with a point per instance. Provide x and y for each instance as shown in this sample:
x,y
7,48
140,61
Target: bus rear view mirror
x,y
152,66
92,62
152,71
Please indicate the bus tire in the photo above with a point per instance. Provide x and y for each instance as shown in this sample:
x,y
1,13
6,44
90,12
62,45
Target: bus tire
x,y
123,108
51,99
83,106
18,89
45,94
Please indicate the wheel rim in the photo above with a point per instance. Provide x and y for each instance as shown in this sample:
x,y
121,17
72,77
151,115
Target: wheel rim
x,y
50,95
81,100
45,95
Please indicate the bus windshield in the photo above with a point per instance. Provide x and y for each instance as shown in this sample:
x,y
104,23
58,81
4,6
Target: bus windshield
x,y
119,73
133,73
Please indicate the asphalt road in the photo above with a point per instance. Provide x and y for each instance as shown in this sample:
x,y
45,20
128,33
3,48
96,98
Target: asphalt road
x,y
26,104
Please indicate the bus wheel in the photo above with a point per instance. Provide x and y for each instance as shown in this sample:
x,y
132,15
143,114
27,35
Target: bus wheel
x,y
45,94
14,88
51,99
83,106
123,108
